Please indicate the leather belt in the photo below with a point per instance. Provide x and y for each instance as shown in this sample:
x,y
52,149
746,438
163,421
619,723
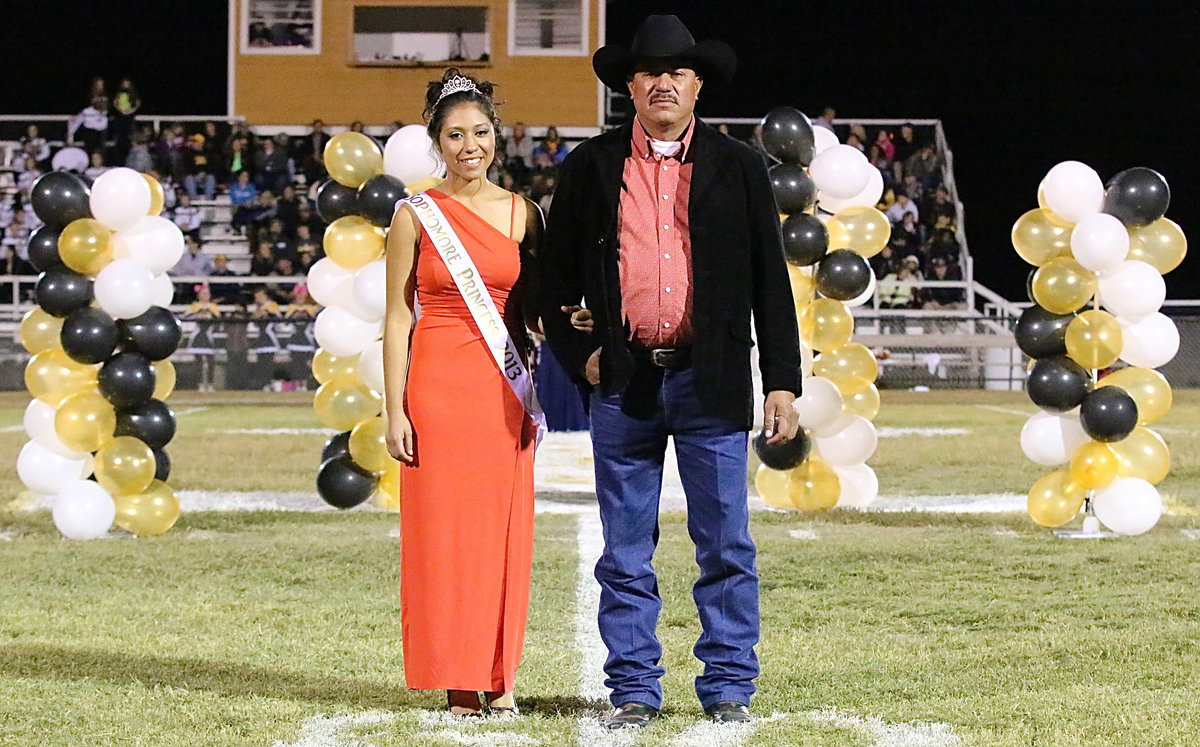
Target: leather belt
x,y
670,358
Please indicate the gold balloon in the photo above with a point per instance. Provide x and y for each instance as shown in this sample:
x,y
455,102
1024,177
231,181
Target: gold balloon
x,y
352,241
39,331
164,378
826,324
157,197
1144,454
864,399
1040,235
368,445
865,230
772,487
52,376
1094,339
1062,285
1149,389
847,365
418,187
326,366
125,466
1055,499
814,486
343,402
1094,465
85,421
387,495
351,158
85,245
804,287
1161,244
149,512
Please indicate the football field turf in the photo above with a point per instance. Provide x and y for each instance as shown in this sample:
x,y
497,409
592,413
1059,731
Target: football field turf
x,y
898,628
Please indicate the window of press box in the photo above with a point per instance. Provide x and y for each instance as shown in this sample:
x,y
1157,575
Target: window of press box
x,y
548,27
421,35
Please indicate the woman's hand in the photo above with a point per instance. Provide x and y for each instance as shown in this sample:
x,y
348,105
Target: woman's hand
x,y
400,438
581,318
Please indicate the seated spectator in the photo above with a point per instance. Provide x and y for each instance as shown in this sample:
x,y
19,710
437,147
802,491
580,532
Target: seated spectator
x,y
243,195
187,217
139,158
944,298
893,295
905,146
828,114
29,174
204,307
170,194
310,153
306,216
926,166
271,167
170,152
284,267
193,263
755,141
199,168
913,263
943,241
302,306
551,152
906,237
97,166
262,262
263,306
518,153
939,206
277,239
853,141
887,148
904,206
287,209
886,262
226,293
913,188
33,144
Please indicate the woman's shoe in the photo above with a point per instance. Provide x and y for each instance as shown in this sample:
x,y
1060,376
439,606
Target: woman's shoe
x,y
502,706
458,708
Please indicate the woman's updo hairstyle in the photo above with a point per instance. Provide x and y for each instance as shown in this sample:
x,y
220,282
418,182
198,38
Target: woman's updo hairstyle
x,y
435,110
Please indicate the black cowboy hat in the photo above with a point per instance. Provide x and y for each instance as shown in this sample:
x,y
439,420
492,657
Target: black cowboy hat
x,y
664,38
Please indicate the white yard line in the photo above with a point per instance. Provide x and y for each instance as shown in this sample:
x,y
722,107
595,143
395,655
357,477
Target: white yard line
x,y
190,410
278,431
914,734
986,503
590,540
886,432
1005,410
12,428
324,731
803,534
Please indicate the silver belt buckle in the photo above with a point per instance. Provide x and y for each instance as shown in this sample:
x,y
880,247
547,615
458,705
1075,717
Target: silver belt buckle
x,y
657,357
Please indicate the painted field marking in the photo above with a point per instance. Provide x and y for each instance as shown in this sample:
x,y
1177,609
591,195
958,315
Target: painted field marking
x,y
986,503
803,534
1192,534
914,734
190,410
887,432
12,428
1005,410
278,431
325,731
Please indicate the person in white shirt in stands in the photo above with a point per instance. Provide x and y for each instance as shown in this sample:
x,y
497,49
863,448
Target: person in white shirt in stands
x,y
187,216
35,145
29,174
903,205
194,262
828,114
90,126
97,166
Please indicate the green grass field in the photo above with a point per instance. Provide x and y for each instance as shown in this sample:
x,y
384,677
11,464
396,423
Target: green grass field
x,y
257,628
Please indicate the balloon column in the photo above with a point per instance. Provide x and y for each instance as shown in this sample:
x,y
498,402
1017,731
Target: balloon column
x,y
350,282
825,466
1107,247
101,337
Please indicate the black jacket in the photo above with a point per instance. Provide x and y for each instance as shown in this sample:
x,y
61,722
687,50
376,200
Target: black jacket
x,y
737,268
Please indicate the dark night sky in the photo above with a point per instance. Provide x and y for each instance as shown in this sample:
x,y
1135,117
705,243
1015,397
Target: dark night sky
x,y
1019,86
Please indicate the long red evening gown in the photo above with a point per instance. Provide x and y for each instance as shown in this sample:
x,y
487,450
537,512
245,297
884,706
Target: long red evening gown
x,y
466,506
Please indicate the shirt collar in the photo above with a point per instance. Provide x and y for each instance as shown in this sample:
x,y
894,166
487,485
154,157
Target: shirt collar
x,y
641,141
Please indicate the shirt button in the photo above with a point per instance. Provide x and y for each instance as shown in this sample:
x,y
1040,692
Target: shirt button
x,y
666,227
666,197
665,168
666,256
666,324
667,289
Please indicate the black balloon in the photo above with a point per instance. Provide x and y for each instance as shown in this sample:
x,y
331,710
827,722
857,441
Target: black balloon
x,y
60,290
60,197
342,483
1137,196
127,379
787,455
1029,284
336,446
377,198
805,239
787,136
155,333
843,274
43,248
162,465
335,200
89,335
794,191
1108,414
151,421
1058,383
1042,333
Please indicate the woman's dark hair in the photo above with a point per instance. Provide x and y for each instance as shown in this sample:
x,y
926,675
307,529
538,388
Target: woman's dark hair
x,y
435,110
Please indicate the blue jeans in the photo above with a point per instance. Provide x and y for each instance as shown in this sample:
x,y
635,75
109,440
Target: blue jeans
x,y
711,453
191,185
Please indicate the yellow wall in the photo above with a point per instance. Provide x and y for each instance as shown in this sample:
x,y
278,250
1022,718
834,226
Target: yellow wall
x,y
295,89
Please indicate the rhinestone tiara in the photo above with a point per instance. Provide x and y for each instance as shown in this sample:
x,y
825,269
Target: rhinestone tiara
x,y
455,85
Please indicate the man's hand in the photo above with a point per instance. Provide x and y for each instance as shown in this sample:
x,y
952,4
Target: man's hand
x,y
581,318
591,370
780,421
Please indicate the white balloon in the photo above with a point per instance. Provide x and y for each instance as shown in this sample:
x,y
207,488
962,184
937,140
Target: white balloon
x,y
83,510
124,288
841,171
370,289
823,139
853,444
324,279
154,241
39,419
1050,438
409,155
162,292
860,486
1134,290
1073,191
1100,242
1130,505
806,360
865,296
1151,342
342,333
52,442
819,404
120,198
370,366
868,197
43,471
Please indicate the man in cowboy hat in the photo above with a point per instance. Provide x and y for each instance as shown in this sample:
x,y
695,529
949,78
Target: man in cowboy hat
x,y
667,232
